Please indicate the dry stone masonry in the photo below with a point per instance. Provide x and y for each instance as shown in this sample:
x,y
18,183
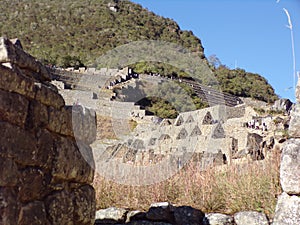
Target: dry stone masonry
x,y
288,205
47,164
45,177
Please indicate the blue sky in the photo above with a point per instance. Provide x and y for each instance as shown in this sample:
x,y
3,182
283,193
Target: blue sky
x,y
249,34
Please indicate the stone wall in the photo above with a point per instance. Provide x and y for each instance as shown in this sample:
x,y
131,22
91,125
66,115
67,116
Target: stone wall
x,y
288,205
45,177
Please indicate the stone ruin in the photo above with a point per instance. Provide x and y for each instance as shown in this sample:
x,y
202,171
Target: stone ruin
x,y
44,178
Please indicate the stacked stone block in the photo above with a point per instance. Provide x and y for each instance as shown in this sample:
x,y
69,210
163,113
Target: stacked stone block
x,y
45,177
288,205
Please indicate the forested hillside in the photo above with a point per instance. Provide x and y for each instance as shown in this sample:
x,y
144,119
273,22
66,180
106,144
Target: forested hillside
x,y
55,30
76,32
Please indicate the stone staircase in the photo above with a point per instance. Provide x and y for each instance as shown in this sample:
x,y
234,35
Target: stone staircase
x,y
212,96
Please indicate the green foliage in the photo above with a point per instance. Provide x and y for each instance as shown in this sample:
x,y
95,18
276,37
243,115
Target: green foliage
x,y
71,61
244,84
162,108
86,29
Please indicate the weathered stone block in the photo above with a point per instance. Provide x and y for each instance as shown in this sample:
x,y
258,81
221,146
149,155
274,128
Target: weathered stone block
x,y
161,211
60,121
17,143
84,204
250,218
84,124
13,81
48,96
26,148
37,115
290,167
9,174
34,185
70,165
13,108
188,215
60,208
287,210
219,219
282,104
294,130
135,215
14,55
33,213
8,206
110,215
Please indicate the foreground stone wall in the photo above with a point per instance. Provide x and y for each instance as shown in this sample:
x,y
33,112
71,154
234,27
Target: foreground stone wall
x,y
288,205
45,177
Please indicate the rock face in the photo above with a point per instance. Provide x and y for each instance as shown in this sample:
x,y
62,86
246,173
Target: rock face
x,y
290,167
219,219
250,218
45,175
282,105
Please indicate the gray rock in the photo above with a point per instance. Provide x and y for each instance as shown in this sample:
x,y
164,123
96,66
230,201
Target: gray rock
x,y
294,125
287,210
218,132
161,211
9,53
283,104
290,167
250,218
135,215
219,219
188,216
110,215
254,146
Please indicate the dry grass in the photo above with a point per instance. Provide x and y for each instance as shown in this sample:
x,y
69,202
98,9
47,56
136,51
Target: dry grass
x,y
249,186
105,128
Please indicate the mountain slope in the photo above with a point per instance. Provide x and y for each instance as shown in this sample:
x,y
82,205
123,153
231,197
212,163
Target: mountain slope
x,y
56,29
77,32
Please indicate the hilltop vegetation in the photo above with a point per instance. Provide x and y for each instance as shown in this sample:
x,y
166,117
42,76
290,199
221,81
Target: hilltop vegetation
x,y
244,84
54,30
76,32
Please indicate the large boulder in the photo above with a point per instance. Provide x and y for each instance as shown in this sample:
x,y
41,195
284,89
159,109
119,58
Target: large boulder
x,y
188,216
254,146
110,215
218,219
287,210
250,218
162,211
290,167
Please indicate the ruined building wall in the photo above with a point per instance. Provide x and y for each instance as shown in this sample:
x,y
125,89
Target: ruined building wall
x,y
44,177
